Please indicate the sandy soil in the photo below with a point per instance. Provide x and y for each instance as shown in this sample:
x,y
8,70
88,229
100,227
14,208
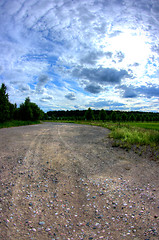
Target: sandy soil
x,y
65,181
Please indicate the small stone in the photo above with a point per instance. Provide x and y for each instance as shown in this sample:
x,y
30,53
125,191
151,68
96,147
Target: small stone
x,y
41,223
97,224
48,229
55,195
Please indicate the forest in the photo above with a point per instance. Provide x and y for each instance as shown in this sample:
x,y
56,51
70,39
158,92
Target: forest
x,y
103,115
29,111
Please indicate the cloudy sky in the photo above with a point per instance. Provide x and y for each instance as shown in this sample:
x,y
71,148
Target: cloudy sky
x,y
71,54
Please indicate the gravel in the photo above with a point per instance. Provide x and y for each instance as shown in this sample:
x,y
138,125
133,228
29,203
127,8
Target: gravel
x,y
65,181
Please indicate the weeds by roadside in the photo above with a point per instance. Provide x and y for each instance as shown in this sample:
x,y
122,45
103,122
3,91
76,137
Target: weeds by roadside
x,y
133,135
140,140
17,123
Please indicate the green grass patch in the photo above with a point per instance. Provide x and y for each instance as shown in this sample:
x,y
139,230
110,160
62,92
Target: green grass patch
x,y
17,123
146,125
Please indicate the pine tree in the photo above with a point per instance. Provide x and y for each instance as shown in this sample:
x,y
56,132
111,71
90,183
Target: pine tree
x,y
132,118
89,115
114,116
4,104
102,115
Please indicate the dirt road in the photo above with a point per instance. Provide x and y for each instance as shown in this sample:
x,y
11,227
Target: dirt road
x,y
65,181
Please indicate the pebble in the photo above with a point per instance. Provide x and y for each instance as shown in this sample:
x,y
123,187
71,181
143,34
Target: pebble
x,y
42,223
48,229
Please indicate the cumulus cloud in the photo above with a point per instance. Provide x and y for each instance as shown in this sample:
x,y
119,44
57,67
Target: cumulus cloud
x,y
105,104
93,88
133,92
120,56
100,75
70,96
92,57
129,94
128,91
149,91
46,99
108,54
115,33
42,81
24,87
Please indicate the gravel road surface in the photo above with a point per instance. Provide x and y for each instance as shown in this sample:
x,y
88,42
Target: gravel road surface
x,y
66,181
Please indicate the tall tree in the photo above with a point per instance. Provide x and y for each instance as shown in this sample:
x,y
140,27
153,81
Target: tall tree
x,y
4,104
89,115
114,116
102,115
132,118
30,111
25,110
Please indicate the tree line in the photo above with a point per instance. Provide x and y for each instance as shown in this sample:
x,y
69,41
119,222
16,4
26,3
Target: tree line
x,y
27,111
103,115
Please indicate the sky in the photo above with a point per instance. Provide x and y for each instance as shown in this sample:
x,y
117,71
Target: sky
x,y
71,54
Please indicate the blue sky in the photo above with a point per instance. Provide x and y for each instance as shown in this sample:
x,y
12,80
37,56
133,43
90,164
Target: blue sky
x,y
71,54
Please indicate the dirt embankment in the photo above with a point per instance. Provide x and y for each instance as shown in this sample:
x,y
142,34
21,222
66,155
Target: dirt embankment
x,y
65,181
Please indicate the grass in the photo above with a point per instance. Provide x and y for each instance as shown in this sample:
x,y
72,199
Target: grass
x,y
17,123
133,135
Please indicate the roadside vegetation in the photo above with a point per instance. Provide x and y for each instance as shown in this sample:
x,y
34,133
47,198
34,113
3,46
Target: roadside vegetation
x,y
17,123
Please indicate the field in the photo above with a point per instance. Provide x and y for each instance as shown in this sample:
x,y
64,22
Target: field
x,y
146,125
